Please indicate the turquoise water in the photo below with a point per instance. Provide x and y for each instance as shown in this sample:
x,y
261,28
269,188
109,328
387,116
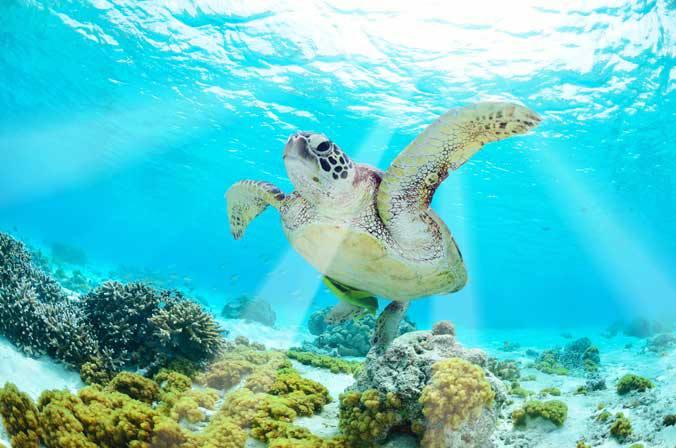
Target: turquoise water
x,y
122,123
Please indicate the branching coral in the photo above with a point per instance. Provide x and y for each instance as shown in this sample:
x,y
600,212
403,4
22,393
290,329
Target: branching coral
x,y
554,411
457,393
631,382
185,330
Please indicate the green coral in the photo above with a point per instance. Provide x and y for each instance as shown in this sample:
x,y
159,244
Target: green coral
x,y
554,410
135,386
553,391
631,382
548,362
669,420
604,416
581,444
335,365
96,372
621,427
20,417
518,391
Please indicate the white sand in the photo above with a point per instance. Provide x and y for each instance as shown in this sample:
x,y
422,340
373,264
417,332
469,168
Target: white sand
x,y
279,337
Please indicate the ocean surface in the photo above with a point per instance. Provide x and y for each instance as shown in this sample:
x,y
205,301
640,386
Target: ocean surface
x,y
122,124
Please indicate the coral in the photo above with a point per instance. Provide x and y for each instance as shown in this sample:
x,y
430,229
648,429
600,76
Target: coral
x,y
669,420
135,386
35,312
139,325
172,381
548,362
250,308
443,327
96,372
581,444
517,390
553,391
367,417
604,416
595,383
458,392
631,382
222,432
19,416
507,370
334,364
621,427
404,369
185,330
636,445
107,419
350,338
554,411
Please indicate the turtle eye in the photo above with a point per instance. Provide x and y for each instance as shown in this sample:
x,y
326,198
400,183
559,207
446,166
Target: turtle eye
x,y
323,146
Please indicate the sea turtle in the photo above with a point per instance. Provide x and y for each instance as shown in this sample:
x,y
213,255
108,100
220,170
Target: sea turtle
x,y
372,233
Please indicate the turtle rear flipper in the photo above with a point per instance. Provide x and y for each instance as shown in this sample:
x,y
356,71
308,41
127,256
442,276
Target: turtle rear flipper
x,y
353,303
247,199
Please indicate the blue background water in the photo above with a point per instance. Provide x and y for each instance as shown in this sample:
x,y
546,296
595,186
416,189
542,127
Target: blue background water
x,y
123,122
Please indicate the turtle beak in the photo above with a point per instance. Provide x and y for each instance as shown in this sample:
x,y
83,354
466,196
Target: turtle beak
x,y
296,146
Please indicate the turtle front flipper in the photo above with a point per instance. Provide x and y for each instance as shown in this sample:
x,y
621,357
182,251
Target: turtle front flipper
x,y
409,183
247,199
353,303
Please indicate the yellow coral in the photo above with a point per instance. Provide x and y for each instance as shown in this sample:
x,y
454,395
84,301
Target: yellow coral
x,y
20,417
457,392
367,417
136,386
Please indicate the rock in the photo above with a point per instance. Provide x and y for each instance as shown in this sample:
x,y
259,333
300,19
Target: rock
x,y
595,383
250,308
661,343
405,368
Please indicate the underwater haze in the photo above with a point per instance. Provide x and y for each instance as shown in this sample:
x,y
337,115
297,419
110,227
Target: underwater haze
x,y
123,122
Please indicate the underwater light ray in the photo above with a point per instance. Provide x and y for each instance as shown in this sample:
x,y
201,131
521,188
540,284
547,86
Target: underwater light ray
x,y
635,274
453,192
93,142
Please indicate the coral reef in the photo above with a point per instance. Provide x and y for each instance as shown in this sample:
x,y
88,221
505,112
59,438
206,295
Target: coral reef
x,y
139,325
334,364
250,308
403,371
36,314
630,382
548,362
350,338
669,420
110,327
554,411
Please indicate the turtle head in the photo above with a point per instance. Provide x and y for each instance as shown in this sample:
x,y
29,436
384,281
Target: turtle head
x,y
318,168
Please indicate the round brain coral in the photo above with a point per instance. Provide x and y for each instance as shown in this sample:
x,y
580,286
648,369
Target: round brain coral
x,y
457,393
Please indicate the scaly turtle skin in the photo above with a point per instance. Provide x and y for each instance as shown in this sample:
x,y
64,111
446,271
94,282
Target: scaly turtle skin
x,y
373,233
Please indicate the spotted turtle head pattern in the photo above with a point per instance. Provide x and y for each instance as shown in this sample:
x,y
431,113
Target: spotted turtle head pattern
x,y
317,166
